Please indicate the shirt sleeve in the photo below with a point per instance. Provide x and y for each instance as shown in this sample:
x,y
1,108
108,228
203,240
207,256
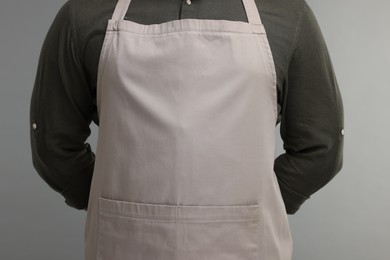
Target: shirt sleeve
x,y
312,118
61,110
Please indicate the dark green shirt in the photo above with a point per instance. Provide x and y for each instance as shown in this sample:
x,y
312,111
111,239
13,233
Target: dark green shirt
x,y
63,102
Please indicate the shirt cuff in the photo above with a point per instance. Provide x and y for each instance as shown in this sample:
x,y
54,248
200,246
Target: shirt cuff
x,y
76,194
292,199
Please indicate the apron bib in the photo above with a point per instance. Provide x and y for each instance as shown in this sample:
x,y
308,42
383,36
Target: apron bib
x,y
186,143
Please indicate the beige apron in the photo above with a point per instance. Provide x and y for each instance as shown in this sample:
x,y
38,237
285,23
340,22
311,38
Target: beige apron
x,y
186,143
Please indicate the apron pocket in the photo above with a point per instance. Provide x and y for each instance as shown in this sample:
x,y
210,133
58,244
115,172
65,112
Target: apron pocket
x,y
133,230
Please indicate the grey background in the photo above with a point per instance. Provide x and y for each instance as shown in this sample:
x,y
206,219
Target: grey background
x,y
349,219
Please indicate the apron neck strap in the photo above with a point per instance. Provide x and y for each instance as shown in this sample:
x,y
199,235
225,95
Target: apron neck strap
x,y
250,7
120,9
252,13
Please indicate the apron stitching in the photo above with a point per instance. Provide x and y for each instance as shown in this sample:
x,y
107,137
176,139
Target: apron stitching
x,y
271,68
104,53
256,29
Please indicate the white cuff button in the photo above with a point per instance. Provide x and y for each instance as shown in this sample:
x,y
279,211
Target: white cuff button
x,y
342,132
188,2
34,126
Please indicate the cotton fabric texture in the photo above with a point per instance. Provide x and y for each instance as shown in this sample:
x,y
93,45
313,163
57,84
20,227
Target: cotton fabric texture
x,y
186,143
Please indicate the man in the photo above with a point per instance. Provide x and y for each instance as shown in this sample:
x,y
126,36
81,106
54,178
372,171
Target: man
x,y
78,82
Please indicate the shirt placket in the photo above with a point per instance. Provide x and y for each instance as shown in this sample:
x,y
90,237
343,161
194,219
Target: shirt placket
x,y
188,9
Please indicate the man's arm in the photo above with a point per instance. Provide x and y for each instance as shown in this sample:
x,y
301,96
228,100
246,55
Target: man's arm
x,y
312,118
61,111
